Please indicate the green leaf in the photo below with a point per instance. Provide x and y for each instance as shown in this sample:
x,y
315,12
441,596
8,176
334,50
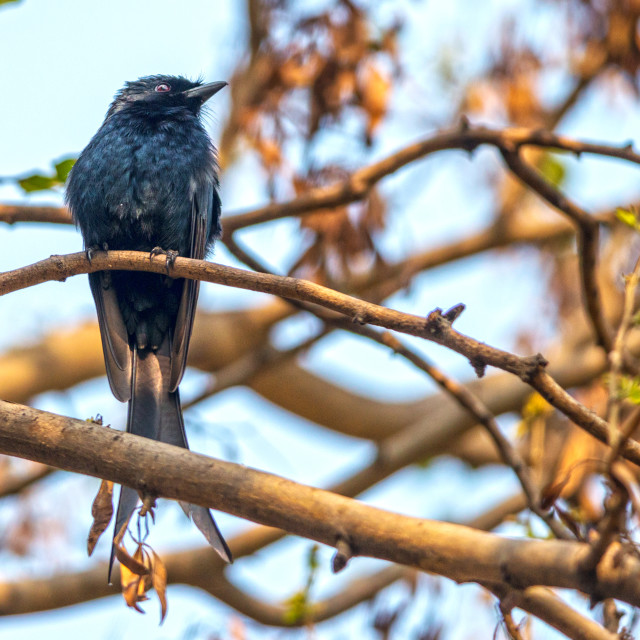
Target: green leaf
x,y
628,217
40,182
8,1
62,169
552,169
313,561
37,182
630,389
297,607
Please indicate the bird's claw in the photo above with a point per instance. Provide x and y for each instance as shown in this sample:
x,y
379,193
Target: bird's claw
x,y
170,254
90,251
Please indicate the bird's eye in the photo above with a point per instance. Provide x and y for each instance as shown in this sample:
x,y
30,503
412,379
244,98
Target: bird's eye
x,y
163,88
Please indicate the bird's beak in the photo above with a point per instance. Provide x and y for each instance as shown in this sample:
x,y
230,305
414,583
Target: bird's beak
x,y
205,91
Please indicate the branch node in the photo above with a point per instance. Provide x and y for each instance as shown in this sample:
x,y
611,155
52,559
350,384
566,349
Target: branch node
x,y
148,505
479,366
454,312
343,554
435,322
532,365
359,319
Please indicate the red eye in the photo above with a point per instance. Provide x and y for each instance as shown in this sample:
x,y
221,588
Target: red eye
x,y
163,88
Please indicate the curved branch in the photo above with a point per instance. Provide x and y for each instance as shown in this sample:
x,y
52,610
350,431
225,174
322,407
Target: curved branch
x,y
436,328
358,185
464,137
588,232
547,606
163,470
480,412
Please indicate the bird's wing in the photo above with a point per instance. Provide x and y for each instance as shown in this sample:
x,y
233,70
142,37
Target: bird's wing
x,y
205,207
115,340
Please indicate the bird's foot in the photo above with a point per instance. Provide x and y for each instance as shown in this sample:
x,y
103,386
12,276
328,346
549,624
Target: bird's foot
x,y
92,250
170,254
148,506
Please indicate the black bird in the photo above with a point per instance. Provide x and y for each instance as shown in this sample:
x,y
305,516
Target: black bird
x,y
147,181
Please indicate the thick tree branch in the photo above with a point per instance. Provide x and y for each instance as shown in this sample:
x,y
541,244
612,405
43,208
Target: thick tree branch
x,y
203,569
454,551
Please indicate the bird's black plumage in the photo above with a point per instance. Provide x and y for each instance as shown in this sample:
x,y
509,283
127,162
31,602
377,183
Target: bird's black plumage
x,y
148,180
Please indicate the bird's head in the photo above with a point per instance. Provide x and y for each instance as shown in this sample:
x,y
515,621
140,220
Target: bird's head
x,y
163,96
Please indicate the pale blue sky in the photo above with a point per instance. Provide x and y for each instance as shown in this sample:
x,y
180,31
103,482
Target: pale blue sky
x,y
62,63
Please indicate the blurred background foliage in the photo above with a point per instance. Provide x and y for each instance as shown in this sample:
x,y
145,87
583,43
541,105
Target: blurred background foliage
x,y
317,90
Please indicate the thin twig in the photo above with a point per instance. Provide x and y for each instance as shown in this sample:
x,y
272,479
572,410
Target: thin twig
x,y
616,362
546,605
475,406
588,231
510,626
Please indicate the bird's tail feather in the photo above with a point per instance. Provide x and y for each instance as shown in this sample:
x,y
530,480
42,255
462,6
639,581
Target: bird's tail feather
x,y
155,412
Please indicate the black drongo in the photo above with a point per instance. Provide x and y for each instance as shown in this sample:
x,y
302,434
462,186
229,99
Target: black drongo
x,y
148,181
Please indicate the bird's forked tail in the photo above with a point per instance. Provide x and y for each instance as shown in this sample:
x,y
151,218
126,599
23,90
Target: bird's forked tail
x,y
155,412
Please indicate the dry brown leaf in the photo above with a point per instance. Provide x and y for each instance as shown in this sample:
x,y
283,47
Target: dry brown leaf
x,y
159,582
375,88
101,510
270,153
132,581
130,593
133,563
135,577
375,211
522,102
299,70
569,522
18,540
140,573
579,446
558,487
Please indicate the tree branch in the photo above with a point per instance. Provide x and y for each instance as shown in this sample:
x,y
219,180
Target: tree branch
x,y
436,328
588,232
203,569
544,604
358,185
464,137
481,413
163,470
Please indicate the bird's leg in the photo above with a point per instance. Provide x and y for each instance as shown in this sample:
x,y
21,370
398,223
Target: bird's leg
x,y
90,251
171,256
148,506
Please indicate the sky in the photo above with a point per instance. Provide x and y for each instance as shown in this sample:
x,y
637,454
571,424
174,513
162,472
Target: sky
x,y
62,63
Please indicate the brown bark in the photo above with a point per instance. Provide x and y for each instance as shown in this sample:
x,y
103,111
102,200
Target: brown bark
x,y
460,553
